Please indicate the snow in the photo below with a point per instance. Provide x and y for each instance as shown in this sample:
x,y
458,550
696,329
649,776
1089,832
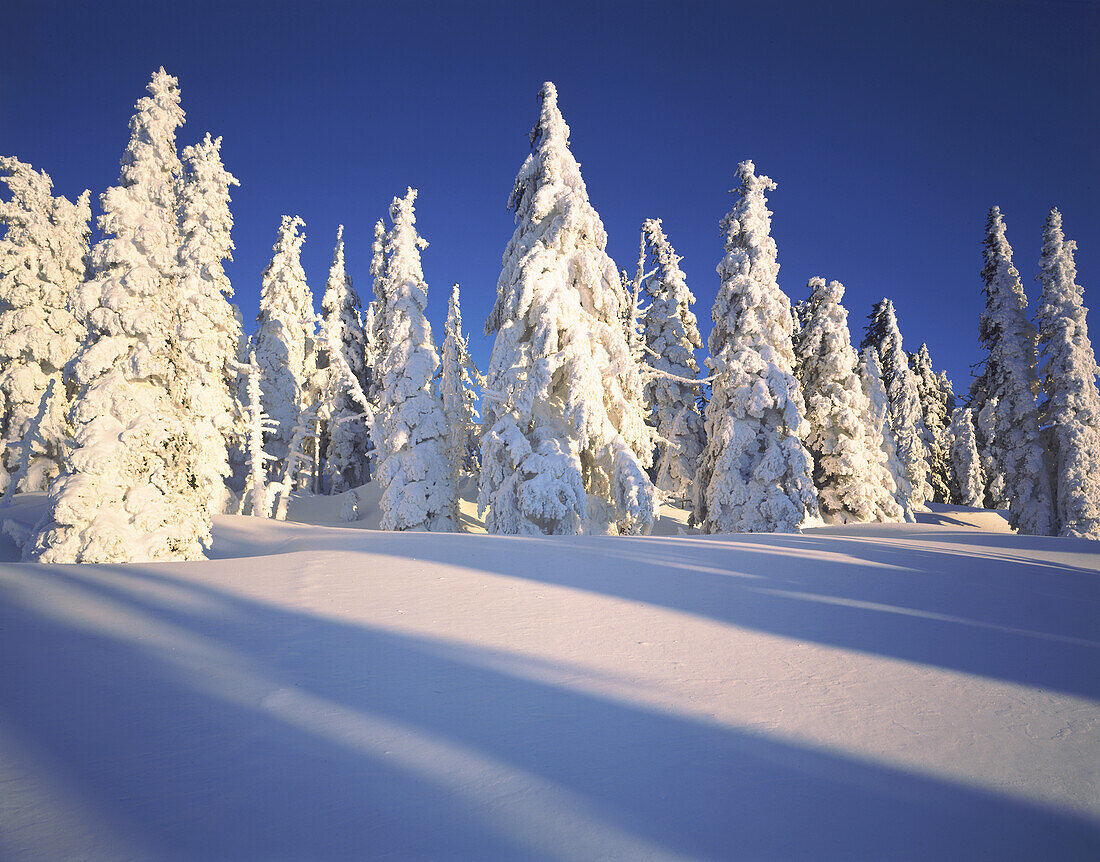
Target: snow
x,y
927,690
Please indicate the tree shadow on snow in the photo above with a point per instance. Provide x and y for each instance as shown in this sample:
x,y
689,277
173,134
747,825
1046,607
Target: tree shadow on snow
x,y
215,727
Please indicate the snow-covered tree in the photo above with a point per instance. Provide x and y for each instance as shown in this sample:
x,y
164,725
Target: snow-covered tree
x,y
130,490
755,475
410,428
904,415
671,337
457,376
1071,409
847,470
890,471
257,423
42,259
561,435
935,396
210,328
1009,386
377,339
285,340
965,460
346,437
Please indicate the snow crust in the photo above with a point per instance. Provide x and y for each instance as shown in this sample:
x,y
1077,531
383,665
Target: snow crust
x,y
873,691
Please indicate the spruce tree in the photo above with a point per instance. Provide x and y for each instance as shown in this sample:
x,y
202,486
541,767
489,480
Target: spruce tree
x,y
1071,406
561,435
130,490
671,338
904,415
210,328
285,341
847,471
880,438
755,475
410,428
1009,386
965,460
934,393
457,376
42,258
346,437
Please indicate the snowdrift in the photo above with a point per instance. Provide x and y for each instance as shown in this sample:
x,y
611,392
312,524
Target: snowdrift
x,y
926,690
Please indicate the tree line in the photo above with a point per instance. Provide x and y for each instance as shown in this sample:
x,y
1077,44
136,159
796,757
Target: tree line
x,y
129,391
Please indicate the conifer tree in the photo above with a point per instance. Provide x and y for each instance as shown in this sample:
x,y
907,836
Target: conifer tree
x,y
210,328
755,474
410,428
890,471
285,341
1009,386
346,438
847,469
130,491
457,376
1071,406
965,460
378,338
561,434
42,258
934,393
904,414
671,338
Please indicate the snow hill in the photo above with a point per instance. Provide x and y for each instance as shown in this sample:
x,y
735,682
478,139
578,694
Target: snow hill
x,y
927,691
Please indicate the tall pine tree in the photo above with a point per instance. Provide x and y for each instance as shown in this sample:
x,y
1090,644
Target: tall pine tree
x,y
935,396
1009,386
457,376
1071,406
410,427
671,338
42,259
847,467
131,491
561,433
755,474
904,414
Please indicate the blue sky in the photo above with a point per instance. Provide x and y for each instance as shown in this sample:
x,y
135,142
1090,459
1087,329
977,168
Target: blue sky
x,y
890,129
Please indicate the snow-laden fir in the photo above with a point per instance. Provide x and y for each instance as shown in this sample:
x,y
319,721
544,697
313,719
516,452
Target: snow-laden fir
x,y
904,407
457,380
671,339
1008,386
965,460
849,470
562,436
1071,407
42,259
410,427
346,439
936,403
880,437
130,490
755,475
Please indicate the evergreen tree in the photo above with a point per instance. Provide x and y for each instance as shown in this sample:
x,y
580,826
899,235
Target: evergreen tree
x,y
346,438
285,341
671,337
42,259
210,328
935,396
130,491
378,338
890,471
561,434
1071,409
847,466
410,428
457,375
1009,386
965,460
755,474
904,414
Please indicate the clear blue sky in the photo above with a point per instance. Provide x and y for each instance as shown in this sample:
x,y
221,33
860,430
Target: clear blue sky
x,y
889,127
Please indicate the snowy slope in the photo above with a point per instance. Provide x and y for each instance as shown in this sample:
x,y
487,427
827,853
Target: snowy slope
x,y
926,691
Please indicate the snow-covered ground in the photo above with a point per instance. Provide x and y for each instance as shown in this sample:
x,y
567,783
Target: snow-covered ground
x,y
926,691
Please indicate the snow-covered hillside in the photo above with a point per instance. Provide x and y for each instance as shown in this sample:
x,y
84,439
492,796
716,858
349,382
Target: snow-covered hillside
x,y
926,690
